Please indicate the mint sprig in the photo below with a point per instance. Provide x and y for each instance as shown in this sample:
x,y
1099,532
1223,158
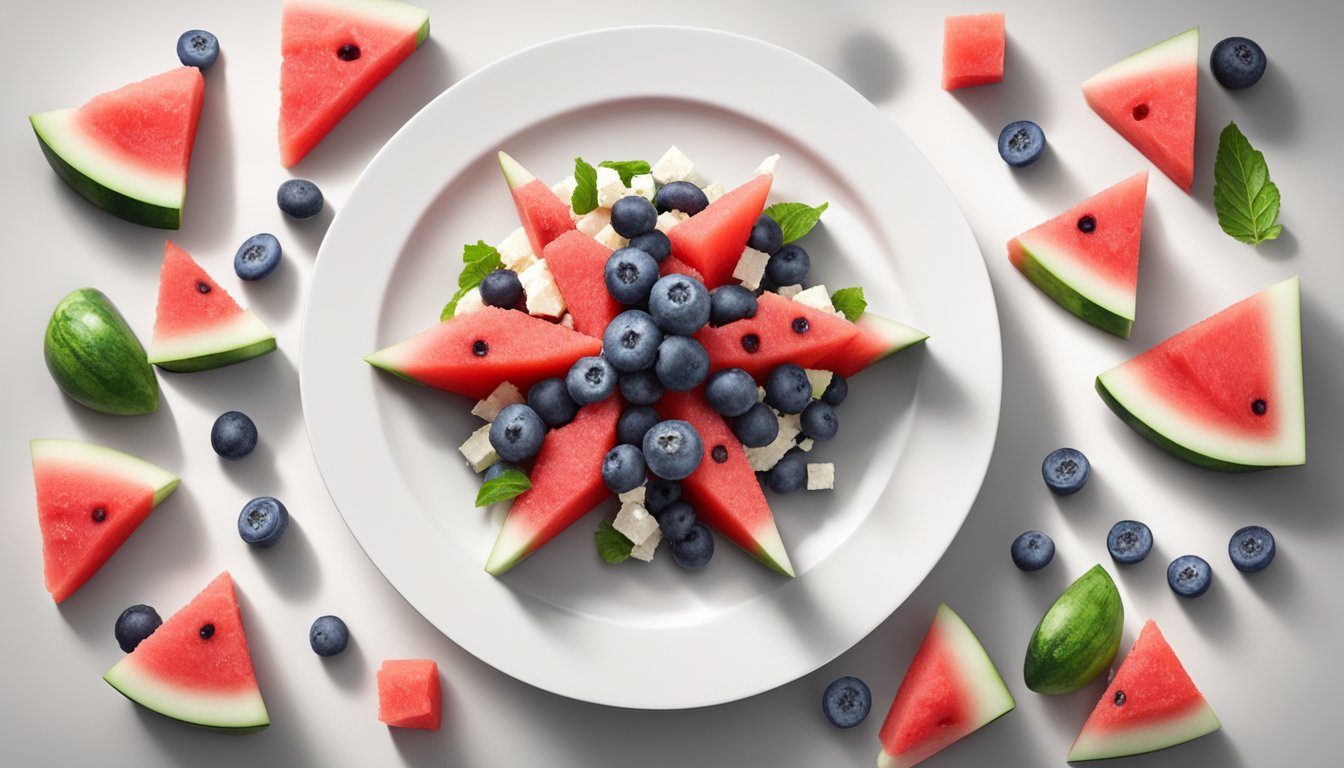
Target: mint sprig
x,y
584,199
850,302
1246,200
796,219
628,169
478,261
612,545
507,485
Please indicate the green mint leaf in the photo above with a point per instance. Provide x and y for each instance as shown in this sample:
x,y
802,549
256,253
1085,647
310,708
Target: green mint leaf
x,y
628,169
796,219
1246,200
850,301
612,545
585,187
479,260
510,483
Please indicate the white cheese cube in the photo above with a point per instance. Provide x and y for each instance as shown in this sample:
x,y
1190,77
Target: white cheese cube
x,y
768,166
760,394
568,321
766,457
609,187
669,219
713,191
806,444
593,221
644,549
471,301
789,291
820,380
504,394
635,523
564,189
480,454
516,249
674,165
643,185
543,295
609,238
816,297
821,477
633,497
750,268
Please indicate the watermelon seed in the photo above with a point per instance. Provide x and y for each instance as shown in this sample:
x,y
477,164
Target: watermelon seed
x,y
1259,407
99,514
1088,224
1140,112
347,52
202,287
479,347
720,454
207,631
1120,698
800,325
751,342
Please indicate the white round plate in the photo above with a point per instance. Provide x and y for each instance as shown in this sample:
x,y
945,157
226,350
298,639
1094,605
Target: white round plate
x,y
916,431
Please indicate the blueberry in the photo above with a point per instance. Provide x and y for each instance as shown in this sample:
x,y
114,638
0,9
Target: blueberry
x,y
757,427
766,236
517,432
682,363
1033,550
233,436
197,48
1251,548
695,550
1129,542
788,266
1237,63
846,702
299,198
1021,143
680,196
257,257
630,341
1189,575
672,449
1065,471
660,494
679,304
819,421
550,399
134,625
788,475
623,468
634,423
654,243
641,387
836,391
502,288
676,521
632,216
788,389
263,521
729,303
630,274
495,470
590,379
731,392
328,636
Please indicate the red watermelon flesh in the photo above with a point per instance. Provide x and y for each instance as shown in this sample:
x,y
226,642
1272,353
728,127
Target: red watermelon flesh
x,y
951,689
196,667
578,263
543,215
1151,704
674,266
518,348
410,694
566,484
1092,271
783,331
877,338
335,53
726,495
90,499
1225,393
1149,98
712,240
972,50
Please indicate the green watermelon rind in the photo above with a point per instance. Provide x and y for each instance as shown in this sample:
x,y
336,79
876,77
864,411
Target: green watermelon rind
x,y
1057,275
1201,721
1078,637
106,460
238,339
95,357
240,713
391,12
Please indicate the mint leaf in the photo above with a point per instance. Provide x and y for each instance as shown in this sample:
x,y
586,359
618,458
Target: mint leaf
x,y
585,187
796,219
850,301
612,545
1246,200
628,169
510,483
479,260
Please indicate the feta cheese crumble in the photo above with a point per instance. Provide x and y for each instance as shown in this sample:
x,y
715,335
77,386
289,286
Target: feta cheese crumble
x,y
543,295
821,477
669,219
766,457
608,237
516,251
504,394
789,291
644,549
816,297
593,221
751,268
713,191
674,165
642,185
471,301
609,187
768,166
635,523
480,454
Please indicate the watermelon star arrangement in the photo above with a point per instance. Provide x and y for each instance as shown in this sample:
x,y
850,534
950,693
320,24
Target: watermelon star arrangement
x,y
616,341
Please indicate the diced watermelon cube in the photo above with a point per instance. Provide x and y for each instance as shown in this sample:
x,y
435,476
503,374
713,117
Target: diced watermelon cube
x,y
409,694
972,50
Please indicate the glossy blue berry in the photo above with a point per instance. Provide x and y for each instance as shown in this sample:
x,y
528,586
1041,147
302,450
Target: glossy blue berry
x,y
676,520
197,48
679,304
233,435
654,243
757,427
551,401
836,391
501,288
1237,62
846,702
493,471
1129,542
630,341
787,389
819,421
630,274
1189,575
695,549
729,303
730,392
660,494
517,432
680,196
634,423
328,636
682,363
766,235
590,380
1065,471
263,521
1021,143
1251,548
632,216
641,387
1033,550
299,199
623,468
135,624
257,257
672,449
788,475
788,266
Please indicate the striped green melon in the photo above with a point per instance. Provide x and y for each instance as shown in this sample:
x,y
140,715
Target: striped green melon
x,y
1078,637
95,357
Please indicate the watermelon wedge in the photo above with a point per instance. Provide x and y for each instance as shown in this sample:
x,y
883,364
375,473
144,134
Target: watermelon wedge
x,y
783,331
712,240
973,50
127,151
1151,704
1225,393
877,339
1087,258
1149,98
90,499
674,266
578,263
543,215
196,667
410,694
566,484
198,325
335,52
471,354
726,495
951,690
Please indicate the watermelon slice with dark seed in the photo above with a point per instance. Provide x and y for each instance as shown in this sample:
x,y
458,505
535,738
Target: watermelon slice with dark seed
x,y
783,331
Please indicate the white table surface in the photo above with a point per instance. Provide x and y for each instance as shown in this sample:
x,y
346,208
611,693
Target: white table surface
x,y
1263,648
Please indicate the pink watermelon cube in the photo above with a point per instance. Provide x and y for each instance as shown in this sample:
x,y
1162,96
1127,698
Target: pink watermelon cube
x,y
972,50
409,694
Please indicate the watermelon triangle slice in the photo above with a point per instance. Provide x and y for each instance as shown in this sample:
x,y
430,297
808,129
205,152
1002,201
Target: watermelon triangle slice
x,y
1151,704
1149,98
579,263
335,53
472,354
90,499
1087,258
877,338
544,215
198,325
566,484
127,151
712,240
1225,393
951,690
782,331
196,667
